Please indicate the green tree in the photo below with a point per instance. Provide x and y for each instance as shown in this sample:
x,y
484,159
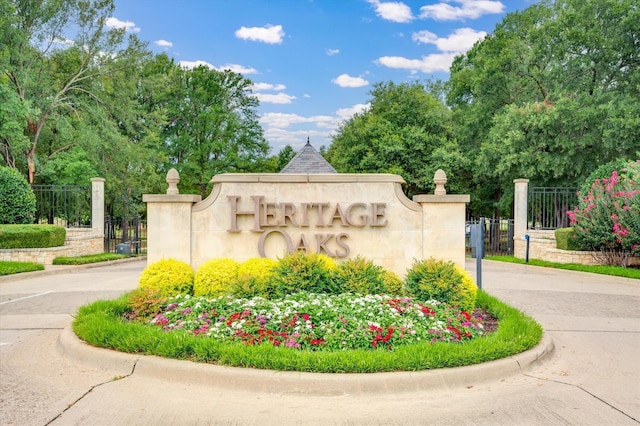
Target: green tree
x,y
406,131
285,155
212,126
549,95
53,77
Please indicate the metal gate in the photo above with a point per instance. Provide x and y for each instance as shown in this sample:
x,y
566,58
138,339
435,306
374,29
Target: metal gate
x,y
548,207
64,205
130,232
498,236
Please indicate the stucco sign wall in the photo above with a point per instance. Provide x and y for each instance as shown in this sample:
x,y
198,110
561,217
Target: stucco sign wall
x,y
340,215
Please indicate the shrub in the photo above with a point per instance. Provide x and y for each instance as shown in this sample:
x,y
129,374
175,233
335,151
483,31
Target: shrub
x,y
31,236
565,239
393,284
360,275
603,171
145,304
254,277
443,281
299,271
607,217
215,277
17,200
169,277
328,262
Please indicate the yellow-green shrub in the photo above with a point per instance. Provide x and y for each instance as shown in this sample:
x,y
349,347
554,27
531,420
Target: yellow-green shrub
x,y
168,276
443,281
360,275
329,262
392,283
254,277
300,271
215,277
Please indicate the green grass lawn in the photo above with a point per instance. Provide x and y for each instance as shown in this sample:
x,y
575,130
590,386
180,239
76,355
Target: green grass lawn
x,y
90,258
8,268
617,271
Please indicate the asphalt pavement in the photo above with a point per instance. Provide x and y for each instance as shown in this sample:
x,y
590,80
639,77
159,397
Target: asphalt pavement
x,y
584,372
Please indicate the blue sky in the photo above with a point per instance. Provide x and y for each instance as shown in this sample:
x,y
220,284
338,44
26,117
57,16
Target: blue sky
x,y
314,62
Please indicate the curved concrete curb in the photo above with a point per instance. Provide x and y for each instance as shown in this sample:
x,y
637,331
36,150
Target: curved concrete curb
x,y
298,383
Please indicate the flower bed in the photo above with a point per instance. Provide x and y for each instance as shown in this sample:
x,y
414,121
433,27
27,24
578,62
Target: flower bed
x,y
320,321
123,324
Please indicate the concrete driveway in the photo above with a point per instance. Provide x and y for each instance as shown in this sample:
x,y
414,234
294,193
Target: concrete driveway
x,y
592,377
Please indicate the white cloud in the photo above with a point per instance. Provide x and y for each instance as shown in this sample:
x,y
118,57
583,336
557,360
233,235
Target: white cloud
x,y
272,34
345,80
459,41
292,129
283,121
427,64
163,43
346,113
258,87
280,98
116,23
331,52
63,41
469,9
392,11
240,69
193,64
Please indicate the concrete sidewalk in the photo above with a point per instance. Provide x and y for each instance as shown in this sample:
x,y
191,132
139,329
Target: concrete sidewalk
x,y
591,377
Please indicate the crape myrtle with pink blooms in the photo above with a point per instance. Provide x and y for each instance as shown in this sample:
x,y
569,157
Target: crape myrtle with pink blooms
x,y
607,217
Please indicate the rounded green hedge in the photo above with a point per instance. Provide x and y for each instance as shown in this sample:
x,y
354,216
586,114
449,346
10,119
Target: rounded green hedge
x,y
17,200
442,281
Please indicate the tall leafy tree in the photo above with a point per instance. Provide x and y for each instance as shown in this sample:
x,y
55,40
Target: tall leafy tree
x,y
406,131
213,126
549,95
54,54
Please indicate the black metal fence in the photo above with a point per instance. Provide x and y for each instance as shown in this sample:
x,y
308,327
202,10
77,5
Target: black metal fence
x,y
129,234
498,236
65,205
548,207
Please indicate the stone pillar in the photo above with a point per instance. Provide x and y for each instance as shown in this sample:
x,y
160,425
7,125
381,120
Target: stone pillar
x,y
520,220
97,206
443,223
169,223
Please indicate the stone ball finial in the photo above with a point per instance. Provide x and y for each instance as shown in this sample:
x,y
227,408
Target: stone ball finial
x,y
440,178
173,178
